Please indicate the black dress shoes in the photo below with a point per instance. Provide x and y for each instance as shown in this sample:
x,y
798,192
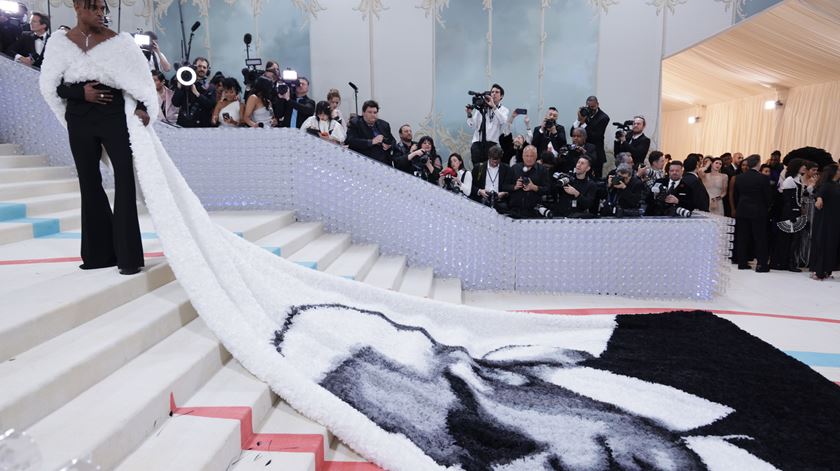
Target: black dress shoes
x,y
130,271
762,269
743,267
95,266
795,270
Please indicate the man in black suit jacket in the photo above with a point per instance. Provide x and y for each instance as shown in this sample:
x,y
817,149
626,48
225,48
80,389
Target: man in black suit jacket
x,y
698,189
29,47
677,193
371,136
637,143
527,182
292,112
595,122
491,176
752,193
549,132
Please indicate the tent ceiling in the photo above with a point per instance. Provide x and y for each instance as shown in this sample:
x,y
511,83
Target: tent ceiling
x,y
793,44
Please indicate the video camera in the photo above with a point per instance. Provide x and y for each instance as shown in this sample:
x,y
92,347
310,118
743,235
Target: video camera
x,y
288,82
623,128
562,179
479,100
585,112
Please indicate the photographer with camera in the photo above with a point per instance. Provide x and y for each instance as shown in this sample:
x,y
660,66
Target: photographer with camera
x,y
624,193
489,118
455,177
527,182
631,138
371,136
322,125
592,118
549,135
671,196
575,192
196,101
157,60
293,106
402,148
11,26
654,170
570,153
424,160
489,179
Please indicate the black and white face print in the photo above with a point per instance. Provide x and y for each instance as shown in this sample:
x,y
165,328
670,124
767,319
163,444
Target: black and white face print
x,y
514,407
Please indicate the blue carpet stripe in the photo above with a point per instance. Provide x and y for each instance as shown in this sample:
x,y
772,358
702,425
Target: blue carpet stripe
x,y
817,359
311,265
12,211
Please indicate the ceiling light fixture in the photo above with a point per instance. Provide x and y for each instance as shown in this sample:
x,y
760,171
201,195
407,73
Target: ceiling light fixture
x,y
693,119
772,104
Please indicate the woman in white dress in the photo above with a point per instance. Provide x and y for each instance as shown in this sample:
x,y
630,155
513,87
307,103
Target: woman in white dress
x,y
322,125
258,111
716,184
229,109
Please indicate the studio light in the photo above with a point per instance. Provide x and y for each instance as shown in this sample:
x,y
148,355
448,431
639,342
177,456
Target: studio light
x,y
693,119
772,104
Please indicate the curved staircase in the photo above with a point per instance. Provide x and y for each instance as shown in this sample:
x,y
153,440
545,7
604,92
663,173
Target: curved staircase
x,y
121,369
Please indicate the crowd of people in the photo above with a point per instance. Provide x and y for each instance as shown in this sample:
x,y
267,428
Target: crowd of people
x,y
786,215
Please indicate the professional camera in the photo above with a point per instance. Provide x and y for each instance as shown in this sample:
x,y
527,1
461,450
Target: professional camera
x,y
288,81
623,128
550,123
562,179
568,148
615,180
479,100
681,212
585,112
543,211
491,200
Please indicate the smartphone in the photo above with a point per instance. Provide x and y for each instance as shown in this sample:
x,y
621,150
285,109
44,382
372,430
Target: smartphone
x,y
225,115
520,111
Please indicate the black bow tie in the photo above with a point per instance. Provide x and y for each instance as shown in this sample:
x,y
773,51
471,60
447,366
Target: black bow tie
x,y
39,37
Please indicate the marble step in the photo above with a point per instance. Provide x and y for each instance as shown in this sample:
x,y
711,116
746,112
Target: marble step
x,y
321,252
12,175
292,238
15,230
10,149
355,262
387,272
417,281
43,378
448,290
11,191
10,160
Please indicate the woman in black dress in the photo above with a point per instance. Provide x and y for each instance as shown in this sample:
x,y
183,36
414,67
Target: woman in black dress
x,y
825,241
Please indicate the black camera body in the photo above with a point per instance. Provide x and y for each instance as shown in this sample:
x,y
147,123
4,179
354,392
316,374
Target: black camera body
x,y
585,112
550,123
615,180
623,128
250,75
568,148
479,100
491,200
563,179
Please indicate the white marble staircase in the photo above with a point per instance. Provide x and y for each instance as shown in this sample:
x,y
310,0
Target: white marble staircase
x,y
92,363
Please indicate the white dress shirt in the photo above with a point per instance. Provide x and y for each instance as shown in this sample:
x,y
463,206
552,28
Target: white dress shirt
x,y
39,46
491,181
496,124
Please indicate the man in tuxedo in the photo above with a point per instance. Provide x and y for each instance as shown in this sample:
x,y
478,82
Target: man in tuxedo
x,y
637,143
595,121
670,193
29,47
752,194
371,136
489,177
698,189
292,112
549,135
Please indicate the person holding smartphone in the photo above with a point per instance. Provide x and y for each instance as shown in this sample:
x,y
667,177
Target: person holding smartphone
x,y
229,109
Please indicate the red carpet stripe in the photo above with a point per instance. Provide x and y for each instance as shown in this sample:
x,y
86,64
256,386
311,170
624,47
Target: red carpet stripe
x,y
656,310
281,442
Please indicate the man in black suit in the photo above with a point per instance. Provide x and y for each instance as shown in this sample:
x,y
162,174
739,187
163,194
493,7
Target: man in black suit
x,y
489,177
636,143
292,112
698,189
527,182
402,149
595,121
371,136
29,47
196,102
549,132
752,193
670,193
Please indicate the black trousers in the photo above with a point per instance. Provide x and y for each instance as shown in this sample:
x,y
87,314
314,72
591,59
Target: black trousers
x,y
108,239
751,238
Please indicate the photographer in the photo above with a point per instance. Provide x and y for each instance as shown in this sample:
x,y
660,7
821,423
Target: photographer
x,y
654,170
571,153
29,47
670,196
322,125
527,182
549,135
424,160
11,27
496,116
292,112
637,143
624,193
455,177
488,181
595,121
575,193
157,60
402,148
197,101
371,136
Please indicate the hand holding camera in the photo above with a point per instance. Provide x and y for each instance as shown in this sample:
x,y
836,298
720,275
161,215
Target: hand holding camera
x,y
617,182
377,139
